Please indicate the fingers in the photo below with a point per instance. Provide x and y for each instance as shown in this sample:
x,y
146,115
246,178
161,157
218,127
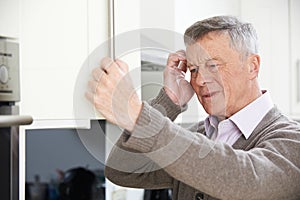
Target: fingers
x,y
112,94
93,85
174,59
112,66
183,66
122,65
90,96
181,52
97,73
107,75
91,93
109,70
106,64
109,66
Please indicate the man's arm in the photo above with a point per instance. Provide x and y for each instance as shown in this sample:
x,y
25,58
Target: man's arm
x,y
113,95
130,168
268,171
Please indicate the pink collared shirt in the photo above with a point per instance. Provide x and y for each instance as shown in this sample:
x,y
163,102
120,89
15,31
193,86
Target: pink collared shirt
x,y
241,123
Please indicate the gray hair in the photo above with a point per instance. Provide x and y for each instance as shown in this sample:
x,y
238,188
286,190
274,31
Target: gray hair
x,y
243,36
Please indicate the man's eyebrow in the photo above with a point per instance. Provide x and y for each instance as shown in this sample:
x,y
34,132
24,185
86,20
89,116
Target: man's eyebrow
x,y
217,58
204,60
189,64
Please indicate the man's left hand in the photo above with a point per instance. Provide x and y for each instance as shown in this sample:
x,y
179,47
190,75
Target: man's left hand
x,y
113,95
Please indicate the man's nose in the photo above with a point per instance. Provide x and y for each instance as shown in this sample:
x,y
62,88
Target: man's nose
x,y
203,77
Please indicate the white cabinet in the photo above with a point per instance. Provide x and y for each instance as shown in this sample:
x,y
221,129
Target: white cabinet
x,y
9,18
56,38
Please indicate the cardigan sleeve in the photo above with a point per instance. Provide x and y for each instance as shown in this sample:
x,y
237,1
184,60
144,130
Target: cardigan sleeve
x,y
270,170
131,168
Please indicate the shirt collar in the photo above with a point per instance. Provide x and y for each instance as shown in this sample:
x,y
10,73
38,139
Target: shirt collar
x,y
250,116
247,118
211,121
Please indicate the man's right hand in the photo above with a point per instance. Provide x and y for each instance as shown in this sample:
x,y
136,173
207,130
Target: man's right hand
x,y
177,88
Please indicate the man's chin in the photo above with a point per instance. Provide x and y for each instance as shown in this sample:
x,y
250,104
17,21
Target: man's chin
x,y
218,112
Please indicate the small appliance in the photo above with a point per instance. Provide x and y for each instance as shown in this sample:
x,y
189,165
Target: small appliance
x,y
10,119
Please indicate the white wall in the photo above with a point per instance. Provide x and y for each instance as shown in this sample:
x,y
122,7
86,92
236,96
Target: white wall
x,y
157,14
189,12
271,20
295,56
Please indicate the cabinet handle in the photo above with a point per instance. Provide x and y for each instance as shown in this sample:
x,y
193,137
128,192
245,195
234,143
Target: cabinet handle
x,y
298,79
112,28
14,120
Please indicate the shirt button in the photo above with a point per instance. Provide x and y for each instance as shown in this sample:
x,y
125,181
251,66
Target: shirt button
x,y
199,196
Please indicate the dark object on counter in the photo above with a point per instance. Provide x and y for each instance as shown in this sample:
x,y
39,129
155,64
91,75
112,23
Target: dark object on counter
x,y
162,194
78,184
37,190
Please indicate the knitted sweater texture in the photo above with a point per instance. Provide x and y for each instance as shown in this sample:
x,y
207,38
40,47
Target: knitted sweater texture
x,y
160,154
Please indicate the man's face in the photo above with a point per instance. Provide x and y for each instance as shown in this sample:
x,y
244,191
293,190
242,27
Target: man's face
x,y
222,81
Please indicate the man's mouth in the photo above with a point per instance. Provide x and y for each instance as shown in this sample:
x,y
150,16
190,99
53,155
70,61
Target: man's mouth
x,y
209,95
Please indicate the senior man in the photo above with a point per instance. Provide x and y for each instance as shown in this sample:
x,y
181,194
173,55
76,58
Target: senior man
x,y
245,149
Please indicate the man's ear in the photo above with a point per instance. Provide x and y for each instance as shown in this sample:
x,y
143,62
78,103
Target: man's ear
x,y
254,66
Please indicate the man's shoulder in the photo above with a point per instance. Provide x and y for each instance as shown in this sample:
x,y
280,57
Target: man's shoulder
x,y
276,125
275,128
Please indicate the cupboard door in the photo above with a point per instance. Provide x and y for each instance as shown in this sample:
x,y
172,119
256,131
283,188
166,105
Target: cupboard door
x,y
53,44
9,18
56,38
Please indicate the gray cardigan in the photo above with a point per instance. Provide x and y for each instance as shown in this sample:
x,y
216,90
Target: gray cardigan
x,y
160,154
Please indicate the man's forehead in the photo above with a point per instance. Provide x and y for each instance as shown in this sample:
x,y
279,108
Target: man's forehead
x,y
195,53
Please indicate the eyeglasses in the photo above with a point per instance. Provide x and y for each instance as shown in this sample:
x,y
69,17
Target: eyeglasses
x,y
210,66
